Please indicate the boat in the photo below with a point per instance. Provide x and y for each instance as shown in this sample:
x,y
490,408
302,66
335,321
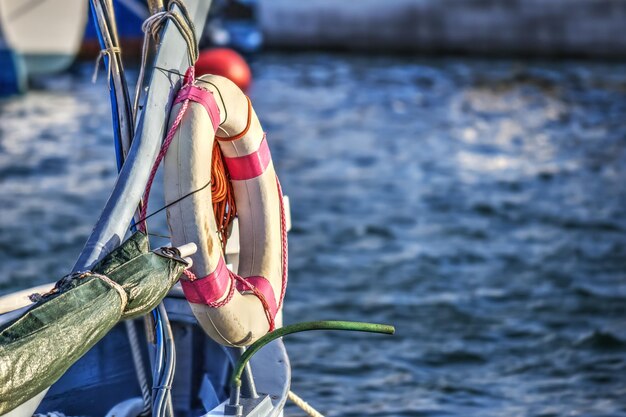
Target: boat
x,y
44,50
525,28
190,374
105,379
235,25
129,15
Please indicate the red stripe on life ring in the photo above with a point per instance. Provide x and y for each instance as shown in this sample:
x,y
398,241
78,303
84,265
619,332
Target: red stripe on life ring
x,y
249,166
207,290
203,97
264,287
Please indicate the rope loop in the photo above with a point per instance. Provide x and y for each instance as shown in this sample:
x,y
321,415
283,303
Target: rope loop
x,y
151,28
258,294
65,283
164,147
153,24
108,53
190,76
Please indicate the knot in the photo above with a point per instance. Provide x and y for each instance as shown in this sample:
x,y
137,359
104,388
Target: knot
x,y
109,53
61,285
66,283
151,28
190,76
153,24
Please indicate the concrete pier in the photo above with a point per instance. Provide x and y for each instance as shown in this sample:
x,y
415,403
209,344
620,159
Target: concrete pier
x,y
594,28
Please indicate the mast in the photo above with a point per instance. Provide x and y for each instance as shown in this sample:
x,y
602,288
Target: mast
x,y
121,106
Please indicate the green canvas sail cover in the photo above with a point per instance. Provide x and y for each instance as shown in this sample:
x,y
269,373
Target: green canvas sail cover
x,y
37,348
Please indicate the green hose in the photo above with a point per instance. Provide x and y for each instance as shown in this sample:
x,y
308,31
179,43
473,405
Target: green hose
x,y
354,326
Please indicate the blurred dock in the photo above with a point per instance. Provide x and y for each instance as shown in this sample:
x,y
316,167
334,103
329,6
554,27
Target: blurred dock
x,y
590,28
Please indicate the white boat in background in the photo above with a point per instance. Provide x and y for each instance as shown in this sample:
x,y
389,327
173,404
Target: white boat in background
x,y
583,28
46,34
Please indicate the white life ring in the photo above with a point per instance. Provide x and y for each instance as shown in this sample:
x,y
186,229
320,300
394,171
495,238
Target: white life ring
x,y
224,305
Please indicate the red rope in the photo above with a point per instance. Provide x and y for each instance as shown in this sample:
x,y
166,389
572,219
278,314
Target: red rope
x,y
222,195
189,79
260,296
283,238
229,296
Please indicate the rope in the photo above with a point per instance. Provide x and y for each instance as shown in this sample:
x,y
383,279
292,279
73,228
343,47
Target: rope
x,y
261,297
189,77
142,379
117,287
244,131
231,292
108,52
284,247
304,406
65,283
151,28
225,210
178,200
222,195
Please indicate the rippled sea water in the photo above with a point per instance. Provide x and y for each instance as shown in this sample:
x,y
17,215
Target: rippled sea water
x,y
479,206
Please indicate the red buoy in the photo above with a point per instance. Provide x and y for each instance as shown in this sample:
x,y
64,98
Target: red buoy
x,y
227,63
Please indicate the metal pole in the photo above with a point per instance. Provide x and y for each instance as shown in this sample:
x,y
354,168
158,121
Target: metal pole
x,y
248,386
140,155
155,6
118,212
121,106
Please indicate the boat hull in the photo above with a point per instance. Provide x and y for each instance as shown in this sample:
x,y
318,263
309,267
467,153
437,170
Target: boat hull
x,y
47,34
105,376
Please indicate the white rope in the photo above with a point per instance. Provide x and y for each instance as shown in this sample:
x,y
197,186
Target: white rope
x,y
117,287
108,52
151,28
305,406
61,286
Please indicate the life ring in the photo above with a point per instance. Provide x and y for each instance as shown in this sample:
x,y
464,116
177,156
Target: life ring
x,y
232,310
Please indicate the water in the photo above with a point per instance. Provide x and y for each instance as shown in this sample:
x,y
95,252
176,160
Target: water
x,y
479,206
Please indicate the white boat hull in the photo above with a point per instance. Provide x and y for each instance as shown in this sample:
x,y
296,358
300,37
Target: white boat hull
x,y
47,34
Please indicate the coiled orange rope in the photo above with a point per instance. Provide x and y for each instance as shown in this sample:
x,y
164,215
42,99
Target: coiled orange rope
x,y
225,210
222,195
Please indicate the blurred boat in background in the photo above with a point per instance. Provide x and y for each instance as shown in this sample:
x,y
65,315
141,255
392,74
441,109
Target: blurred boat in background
x,y
38,37
129,16
231,23
552,28
45,34
235,24
26,49
585,28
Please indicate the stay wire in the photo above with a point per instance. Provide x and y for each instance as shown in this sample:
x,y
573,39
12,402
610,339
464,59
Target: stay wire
x,y
173,202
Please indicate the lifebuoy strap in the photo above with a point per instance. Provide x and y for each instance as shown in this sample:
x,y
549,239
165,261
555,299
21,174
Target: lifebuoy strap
x,y
203,97
207,290
264,287
249,166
